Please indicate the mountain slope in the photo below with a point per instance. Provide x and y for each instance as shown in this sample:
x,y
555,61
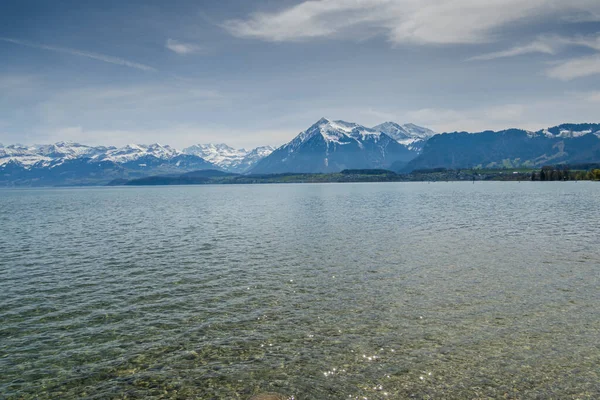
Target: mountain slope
x,y
332,146
567,143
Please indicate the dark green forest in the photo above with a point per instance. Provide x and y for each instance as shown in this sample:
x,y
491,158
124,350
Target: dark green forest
x,y
547,173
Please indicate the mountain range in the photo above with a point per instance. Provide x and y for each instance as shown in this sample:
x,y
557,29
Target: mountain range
x,y
68,163
228,158
512,148
326,146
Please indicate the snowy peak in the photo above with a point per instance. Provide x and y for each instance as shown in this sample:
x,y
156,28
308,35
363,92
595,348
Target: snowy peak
x,y
338,132
52,155
227,157
57,153
260,152
133,152
403,132
324,127
45,153
393,129
25,156
410,135
418,131
575,130
322,121
568,131
216,153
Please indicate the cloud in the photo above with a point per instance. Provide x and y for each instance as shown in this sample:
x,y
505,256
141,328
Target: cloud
x,y
535,47
309,19
582,17
182,48
543,44
576,68
403,21
81,53
593,96
592,42
564,70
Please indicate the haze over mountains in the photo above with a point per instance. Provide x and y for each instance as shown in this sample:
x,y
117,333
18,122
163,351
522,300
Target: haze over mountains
x,y
326,146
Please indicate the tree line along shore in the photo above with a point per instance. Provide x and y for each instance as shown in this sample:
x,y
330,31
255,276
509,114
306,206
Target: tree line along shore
x,y
547,173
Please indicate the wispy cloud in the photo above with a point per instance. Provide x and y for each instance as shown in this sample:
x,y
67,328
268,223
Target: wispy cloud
x,y
550,44
182,48
579,67
81,53
576,68
592,42
535,47
309,19
582,17
413,21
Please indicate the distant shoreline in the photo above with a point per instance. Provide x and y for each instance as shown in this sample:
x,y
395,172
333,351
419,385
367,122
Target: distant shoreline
x,y
218,177
357,176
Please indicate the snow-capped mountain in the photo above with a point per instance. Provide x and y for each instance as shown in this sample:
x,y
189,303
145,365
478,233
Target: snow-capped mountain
x,y
219,154
259,153
327,146
46,154
51,155
227,157
410,135
133,152
253,157
331,146
72,163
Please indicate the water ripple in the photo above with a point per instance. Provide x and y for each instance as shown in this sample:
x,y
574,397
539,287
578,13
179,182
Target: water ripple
x,y
374,291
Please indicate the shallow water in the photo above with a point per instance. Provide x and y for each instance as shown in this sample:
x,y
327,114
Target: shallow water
x,y
328,291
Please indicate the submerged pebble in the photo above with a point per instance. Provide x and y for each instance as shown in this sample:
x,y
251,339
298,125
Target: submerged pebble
x,y
270,396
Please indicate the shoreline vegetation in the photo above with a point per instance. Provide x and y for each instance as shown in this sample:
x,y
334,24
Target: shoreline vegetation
x,y
590,172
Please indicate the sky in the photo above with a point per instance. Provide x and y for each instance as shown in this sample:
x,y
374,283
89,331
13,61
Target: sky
x,y
250,73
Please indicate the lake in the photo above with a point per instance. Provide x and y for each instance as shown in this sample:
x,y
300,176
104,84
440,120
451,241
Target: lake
x,y
317,291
